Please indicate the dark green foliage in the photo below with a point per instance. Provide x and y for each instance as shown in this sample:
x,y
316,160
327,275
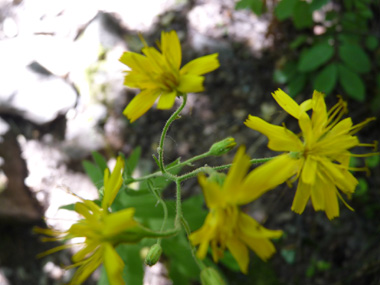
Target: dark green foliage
x,y
341,55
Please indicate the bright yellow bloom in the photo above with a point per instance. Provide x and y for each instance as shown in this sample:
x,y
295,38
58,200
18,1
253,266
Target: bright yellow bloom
x,y
319,159
102,231
158,75
226,226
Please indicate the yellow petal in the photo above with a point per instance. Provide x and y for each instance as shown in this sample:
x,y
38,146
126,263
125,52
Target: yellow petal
x,y
268,176
212,192
250,228
81,254
280,138
301,197
114,265
166,101
96,210
201,237
83,210
135,61
240,252
318,196
171,48
141,104
201,65
87,267
331,201
307,129
306,105
287,103
237,172
342,178
190,83
112,183
141,81
319,117
309,170
120,221
157,63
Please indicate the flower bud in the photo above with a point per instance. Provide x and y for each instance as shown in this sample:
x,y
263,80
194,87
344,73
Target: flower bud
x,y
222,147
209,276
153,255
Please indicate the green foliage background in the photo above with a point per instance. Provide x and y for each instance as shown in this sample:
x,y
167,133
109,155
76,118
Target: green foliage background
x,y
336,51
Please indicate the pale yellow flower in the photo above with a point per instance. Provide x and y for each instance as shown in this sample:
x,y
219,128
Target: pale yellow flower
x,y
319,158
226,226
158,75
102,231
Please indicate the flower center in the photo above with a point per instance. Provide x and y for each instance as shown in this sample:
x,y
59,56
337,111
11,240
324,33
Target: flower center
x,y
169,80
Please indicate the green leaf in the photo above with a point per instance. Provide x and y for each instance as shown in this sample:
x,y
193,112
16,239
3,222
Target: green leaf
x,y
284,9
257,6
132,161
69,207
373,161
314,57
147,210
302,15
100,160
286,73
297,84
194,211
182,266
298,41
355,58
326,79
289,255
363,10
361,189
243,4
318,4
331,15
323,265
94,172
133,272
371,42
349,39
351,83
229,261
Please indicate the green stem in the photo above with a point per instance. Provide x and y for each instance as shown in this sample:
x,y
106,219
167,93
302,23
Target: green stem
x,y
181,164
160,200
160,149
198,170
216,168
179,216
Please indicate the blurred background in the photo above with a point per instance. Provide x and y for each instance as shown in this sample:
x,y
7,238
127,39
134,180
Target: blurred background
x,y
62,97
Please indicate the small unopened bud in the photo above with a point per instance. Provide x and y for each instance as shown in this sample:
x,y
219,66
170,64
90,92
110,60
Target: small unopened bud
x,y
209,276
222,147
153,255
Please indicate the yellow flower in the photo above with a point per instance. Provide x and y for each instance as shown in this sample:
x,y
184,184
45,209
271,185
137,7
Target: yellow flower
x,y
158,75
226,226
102,231
320,160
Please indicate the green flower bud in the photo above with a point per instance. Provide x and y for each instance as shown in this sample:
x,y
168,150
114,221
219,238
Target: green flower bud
x,y
209,276
222,146
153,255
